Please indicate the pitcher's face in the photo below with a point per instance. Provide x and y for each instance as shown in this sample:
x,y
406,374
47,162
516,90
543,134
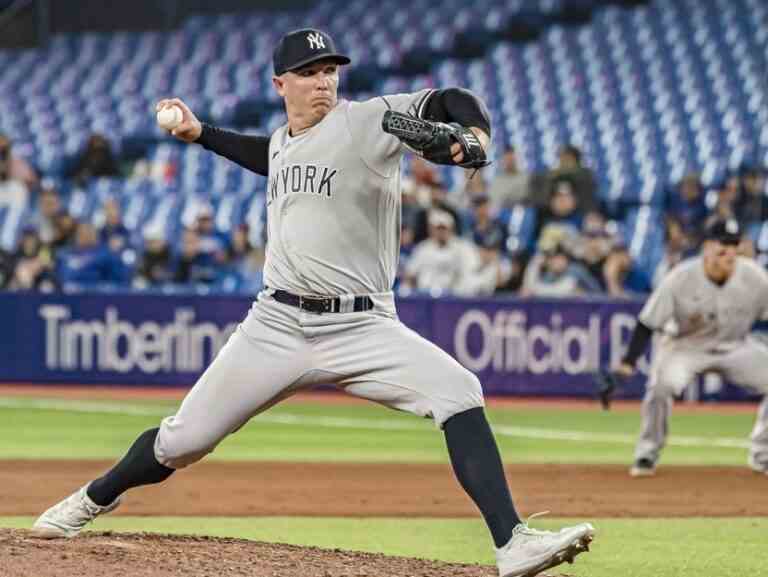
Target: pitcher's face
x,y
311,91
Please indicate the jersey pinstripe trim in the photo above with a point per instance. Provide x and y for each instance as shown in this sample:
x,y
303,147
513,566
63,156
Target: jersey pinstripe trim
x,y
422,104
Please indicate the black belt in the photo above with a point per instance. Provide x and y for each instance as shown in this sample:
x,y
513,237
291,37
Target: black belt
x,y
318,304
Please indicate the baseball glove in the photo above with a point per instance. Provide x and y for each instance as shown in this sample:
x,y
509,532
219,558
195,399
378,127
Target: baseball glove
x,y
433,140
606,383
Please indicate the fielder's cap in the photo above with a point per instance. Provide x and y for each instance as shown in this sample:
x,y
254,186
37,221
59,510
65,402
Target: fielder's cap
x,y
302,47
725,231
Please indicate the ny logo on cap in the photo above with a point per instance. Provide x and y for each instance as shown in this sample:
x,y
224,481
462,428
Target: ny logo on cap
x,y
315,40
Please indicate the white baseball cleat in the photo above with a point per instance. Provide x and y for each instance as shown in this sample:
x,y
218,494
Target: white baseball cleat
x,y
761,468
531,551
67,518
643,468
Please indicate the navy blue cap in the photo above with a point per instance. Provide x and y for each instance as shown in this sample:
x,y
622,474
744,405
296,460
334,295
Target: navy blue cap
x,y
302,47
725,231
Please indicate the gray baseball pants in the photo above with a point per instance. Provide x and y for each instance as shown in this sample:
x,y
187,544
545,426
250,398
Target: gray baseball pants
x,y
279,350
675,366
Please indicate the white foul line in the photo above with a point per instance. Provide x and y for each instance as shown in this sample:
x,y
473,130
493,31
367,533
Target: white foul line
x,y
366,424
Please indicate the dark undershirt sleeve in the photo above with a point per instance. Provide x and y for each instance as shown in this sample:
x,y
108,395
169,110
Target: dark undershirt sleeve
x,y
638,343
251,152
457,105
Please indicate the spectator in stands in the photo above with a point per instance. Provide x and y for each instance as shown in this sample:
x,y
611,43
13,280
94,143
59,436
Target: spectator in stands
x,y
547,240
563,209
754,207
570,169
412,217
510,186
677,246
244,271
16,168
252,271
97,160
64,232
89,263
43,218
622,276
493,270
211,242
483,223
560,276
6,268
687,205
442,263
192,264
155,267
422,179
33,266
114,233
594,246
438,201
728,202
13,204
238,249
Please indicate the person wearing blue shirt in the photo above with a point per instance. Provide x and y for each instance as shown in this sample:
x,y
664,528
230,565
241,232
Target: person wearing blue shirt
x,y
89,263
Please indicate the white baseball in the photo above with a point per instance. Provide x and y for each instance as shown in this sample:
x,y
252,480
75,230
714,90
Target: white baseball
x,y
169,118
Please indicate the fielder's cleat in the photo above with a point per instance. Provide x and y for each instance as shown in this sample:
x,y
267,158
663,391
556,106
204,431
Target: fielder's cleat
x,y
643,468
760,468
67,518
531,551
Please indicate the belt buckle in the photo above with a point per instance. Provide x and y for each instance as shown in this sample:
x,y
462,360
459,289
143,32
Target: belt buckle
x,y
316,304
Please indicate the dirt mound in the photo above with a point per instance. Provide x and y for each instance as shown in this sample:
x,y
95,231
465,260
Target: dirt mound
x,y
148,555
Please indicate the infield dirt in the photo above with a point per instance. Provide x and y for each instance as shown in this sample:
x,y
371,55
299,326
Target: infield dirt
x,y
355,490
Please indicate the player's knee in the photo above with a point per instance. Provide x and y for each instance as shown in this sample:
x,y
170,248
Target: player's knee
x,y
664,388
466,393
178,446
670,379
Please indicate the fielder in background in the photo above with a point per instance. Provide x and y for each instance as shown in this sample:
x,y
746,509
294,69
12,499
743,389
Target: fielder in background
x,y
327,314
706,307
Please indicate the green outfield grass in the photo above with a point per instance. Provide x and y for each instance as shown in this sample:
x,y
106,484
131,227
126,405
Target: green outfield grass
x,y
625,548
32,428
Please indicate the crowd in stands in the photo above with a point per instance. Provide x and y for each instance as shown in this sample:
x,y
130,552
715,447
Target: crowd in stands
x,y
459,246
57,252
453,243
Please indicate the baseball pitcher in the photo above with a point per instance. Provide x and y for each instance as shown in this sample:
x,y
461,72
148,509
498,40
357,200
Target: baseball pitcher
x,y
706,307
327,313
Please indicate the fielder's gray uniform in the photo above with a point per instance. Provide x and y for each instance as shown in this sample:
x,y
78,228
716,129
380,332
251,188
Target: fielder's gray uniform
x,y
333,203
710,332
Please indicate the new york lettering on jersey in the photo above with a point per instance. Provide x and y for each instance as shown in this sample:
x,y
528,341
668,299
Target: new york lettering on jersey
x,y
304,178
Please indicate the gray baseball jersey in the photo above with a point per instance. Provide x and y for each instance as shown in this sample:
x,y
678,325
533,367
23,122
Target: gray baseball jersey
x,y
704,313
333,201
712,325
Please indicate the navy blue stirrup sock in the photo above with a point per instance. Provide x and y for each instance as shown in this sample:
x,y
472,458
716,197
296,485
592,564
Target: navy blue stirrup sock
x,y
138,467
477,464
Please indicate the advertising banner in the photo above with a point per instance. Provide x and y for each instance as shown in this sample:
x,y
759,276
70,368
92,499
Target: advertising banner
x,y
516,347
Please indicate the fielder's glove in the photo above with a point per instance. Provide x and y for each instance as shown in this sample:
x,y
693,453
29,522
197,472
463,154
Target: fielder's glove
x,y
606,383
433,140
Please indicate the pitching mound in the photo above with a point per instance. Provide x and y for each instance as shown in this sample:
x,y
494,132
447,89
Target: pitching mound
x,y
146,555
